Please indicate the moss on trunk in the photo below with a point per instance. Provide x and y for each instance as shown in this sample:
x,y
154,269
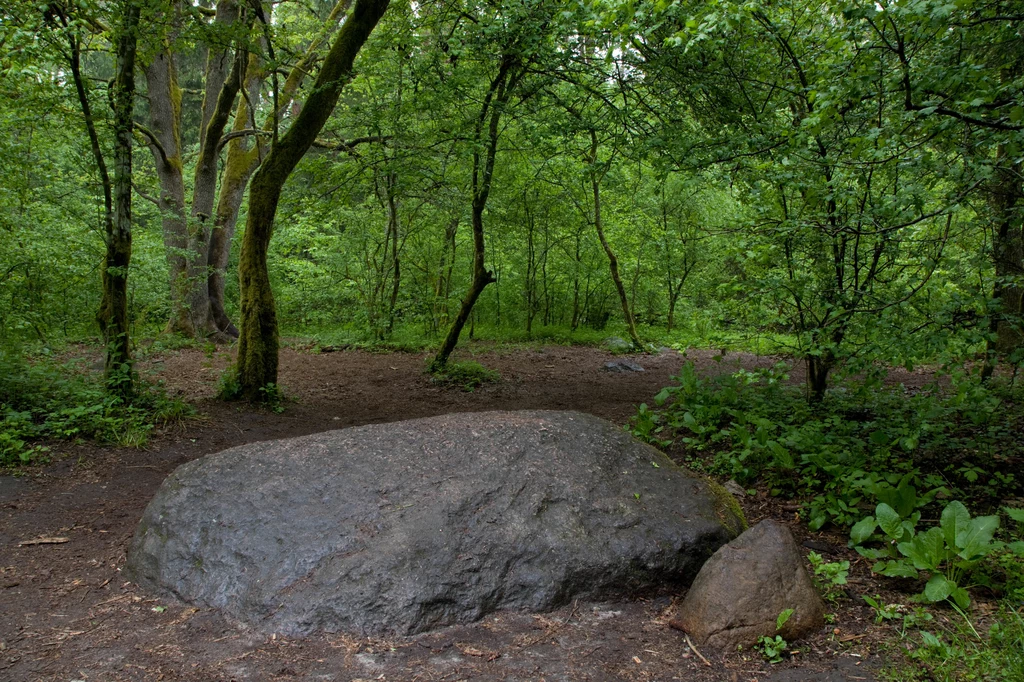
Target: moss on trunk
x,y
258,338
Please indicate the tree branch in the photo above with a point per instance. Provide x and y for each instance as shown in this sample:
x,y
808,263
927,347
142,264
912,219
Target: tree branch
x,y
153,141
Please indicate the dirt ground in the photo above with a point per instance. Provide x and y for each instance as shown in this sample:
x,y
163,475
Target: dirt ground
x,y
66,612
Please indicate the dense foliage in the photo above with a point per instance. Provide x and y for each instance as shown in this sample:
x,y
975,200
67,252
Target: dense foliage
x,y
839,178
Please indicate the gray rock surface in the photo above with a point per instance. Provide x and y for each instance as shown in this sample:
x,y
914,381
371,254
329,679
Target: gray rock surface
x,y
617,344
742,589
622,366
409,526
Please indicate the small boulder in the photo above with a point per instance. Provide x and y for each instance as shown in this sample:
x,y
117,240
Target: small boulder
x,y
617,344
735,488
622,366
745,585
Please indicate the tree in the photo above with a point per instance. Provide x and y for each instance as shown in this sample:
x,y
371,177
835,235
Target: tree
x,y
117,191
961,68
258,341
517,34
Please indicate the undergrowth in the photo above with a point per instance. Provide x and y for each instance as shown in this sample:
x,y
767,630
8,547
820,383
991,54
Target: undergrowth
x,y
414,338
848,452
902,468
957,651
44,400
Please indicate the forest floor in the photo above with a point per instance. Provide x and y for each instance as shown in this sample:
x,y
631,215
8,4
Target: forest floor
x,y
67,613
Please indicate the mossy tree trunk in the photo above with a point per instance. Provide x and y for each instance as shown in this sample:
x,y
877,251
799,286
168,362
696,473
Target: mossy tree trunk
x,y
258,340
187,233
114,310
245,152
112,315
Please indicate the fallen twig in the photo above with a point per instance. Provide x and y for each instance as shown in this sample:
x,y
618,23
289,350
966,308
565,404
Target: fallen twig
x,y
689,643
44,541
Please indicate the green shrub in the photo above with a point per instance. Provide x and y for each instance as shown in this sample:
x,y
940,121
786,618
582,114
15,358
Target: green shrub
x,y
865,443
41,400
947,553
467,375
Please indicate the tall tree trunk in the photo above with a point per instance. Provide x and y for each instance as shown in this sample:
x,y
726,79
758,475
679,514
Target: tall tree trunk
x,y
613,262
531,269
258,342
244,158
576,312
117,197
223,79
487,132
545,289
165,143
114,313
1008,258
396,266
240,163
187,237
444,275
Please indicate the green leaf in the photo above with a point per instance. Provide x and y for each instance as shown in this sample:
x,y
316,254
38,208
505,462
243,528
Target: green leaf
x,y
927,550
889,521
1015,514
1017,548
960,596
879,438
1016,114
906,495
862,530
871,553
976,540
955,521
939,588
783,618
895,568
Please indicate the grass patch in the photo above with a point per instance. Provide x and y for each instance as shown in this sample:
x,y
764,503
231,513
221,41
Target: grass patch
x,y
958,651
467,375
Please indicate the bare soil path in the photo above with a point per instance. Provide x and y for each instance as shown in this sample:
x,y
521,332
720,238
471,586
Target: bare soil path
x,y
66,612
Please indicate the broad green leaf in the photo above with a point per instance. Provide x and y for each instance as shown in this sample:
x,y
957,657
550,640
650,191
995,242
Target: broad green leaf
x,y
879,438
930,640
976,540
862,530
955,520
1017,548
960,596
889,521
939,588
895,569
906,495
783,618
1015,514
871,553
926,550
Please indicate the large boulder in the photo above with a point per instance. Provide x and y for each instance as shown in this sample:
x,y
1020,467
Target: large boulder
x,y
404,527
740,592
